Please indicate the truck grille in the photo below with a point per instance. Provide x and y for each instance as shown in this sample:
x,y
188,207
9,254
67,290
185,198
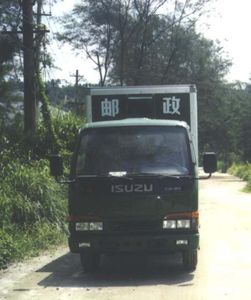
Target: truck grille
x,y
133,226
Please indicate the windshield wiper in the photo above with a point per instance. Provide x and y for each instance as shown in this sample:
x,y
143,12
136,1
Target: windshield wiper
x,y
103,176
130,176
159,175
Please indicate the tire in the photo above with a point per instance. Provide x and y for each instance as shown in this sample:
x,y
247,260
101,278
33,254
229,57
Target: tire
x,y
190,259
89,261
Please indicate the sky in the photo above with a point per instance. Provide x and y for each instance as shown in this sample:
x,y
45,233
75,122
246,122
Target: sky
x,y
231,25
229,22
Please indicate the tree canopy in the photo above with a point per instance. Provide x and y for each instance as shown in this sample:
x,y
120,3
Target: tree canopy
x,y
117,34
143,42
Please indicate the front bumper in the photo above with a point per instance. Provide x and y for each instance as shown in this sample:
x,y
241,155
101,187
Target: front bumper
x,y
158,243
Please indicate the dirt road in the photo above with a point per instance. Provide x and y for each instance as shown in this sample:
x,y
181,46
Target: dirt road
x,y
224,269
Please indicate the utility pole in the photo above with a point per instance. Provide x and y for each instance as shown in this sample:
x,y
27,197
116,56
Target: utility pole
x,y
29,69
77,79
38,42
29,60
38,35
40,31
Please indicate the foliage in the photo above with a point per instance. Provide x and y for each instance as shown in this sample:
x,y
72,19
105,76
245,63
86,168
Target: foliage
x,y
7,48
32,208
32,205
57,91
10,45
243,171
7,51
65,126
192,59
111,32
68,125
17,243
244,125
53,143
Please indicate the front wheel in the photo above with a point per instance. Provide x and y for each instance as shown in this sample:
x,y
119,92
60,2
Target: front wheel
x,y
190,259
89,261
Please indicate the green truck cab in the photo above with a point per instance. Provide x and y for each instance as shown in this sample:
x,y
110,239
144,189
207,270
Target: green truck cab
x,y
133,186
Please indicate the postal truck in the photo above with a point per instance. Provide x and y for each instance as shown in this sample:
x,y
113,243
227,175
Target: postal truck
x,y
133,184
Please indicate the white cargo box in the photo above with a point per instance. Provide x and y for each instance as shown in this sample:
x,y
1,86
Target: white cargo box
x,y
170,102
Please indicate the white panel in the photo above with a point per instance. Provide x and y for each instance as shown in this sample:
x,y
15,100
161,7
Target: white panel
x,y
194,122
88,102
137,90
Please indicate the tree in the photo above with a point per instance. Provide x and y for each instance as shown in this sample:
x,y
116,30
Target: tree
x,y
107,30
190,58
90,30
133,44
7,50
8,70
9,45
245,124
24,29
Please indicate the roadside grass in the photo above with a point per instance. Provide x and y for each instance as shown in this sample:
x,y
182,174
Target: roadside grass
x,y
32,210
242,171
33,206
18,243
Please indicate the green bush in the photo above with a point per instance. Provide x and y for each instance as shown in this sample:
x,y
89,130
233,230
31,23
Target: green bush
x,y
242,171
29,194
248,187
33,206
221,166
66,127
8,251
32,209
17,242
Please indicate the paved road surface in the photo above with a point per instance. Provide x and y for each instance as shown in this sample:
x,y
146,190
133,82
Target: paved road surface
x,y
224,269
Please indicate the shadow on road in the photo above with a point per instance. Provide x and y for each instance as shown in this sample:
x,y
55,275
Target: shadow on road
x,y
114,271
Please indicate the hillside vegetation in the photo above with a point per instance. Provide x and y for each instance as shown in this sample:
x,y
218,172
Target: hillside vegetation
x,y
242,171
33,206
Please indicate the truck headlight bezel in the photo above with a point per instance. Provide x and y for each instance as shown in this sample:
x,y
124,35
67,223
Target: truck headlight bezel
x,y
176,224
183,220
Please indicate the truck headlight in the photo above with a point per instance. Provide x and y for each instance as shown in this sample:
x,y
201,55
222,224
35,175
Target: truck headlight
x,y
179,224
183,224
89,226
169,224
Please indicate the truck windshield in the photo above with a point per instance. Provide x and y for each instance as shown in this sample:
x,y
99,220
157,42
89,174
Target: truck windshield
x,y
134,149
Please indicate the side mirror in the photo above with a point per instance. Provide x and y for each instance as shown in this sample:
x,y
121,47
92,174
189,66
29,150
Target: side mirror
x,y
209,162
56,165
